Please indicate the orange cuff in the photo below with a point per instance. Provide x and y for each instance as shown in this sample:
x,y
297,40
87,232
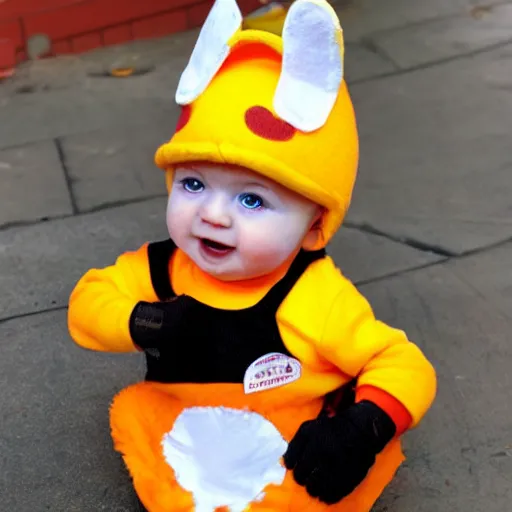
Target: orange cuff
x,y
389,404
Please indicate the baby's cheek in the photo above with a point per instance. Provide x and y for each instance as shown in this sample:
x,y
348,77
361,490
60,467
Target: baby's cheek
x,y
267,246
176,221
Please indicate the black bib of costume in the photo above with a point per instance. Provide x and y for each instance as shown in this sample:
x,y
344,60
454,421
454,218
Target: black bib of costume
x,y
216,345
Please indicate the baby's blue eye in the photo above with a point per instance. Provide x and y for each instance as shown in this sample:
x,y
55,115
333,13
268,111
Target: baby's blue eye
x,y
251,201
192,185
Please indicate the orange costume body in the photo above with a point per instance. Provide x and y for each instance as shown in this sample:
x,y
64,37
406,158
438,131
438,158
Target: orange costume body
x,y
333,333
325,324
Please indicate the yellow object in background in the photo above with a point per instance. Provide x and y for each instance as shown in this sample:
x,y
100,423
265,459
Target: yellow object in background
x,y
269,18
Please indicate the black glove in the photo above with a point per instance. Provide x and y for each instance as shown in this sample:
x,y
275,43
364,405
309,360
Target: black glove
x,y
153,324
331,456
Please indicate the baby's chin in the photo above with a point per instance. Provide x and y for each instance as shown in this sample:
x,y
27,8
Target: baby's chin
x,y
233,274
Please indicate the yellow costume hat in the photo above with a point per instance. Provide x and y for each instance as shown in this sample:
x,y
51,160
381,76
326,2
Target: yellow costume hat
x,y
278,106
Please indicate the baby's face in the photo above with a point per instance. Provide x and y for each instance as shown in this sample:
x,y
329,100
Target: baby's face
x,y
235,224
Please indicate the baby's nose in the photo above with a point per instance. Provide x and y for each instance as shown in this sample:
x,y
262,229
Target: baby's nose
x,y
216,212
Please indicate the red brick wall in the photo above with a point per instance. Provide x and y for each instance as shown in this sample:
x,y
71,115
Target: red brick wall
x,y
76,26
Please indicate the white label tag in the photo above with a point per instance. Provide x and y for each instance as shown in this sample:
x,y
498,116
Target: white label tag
x,y
271,371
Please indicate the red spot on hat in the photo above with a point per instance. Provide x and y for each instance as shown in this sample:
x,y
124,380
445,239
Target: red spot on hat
x,y
264,124
184,117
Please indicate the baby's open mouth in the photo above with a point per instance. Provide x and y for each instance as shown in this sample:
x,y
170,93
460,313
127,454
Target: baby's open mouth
x,y
212,247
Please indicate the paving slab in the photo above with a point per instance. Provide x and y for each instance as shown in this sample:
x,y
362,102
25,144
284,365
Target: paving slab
x,y
448,37
39,265
360,18
85,69
26,118
56,449
110,166
33,184
363,256
435,153
67,95
459,313
363,63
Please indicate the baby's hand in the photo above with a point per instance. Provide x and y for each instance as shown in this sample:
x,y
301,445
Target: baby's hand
x,y
332,456
153,324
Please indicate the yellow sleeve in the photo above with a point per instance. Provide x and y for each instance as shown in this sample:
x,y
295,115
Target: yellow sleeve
x,y
379,355
103,300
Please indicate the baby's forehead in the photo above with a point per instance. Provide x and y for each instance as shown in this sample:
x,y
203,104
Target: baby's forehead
x,y
227,173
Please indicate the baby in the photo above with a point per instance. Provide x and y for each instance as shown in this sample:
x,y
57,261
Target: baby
x,y
270,385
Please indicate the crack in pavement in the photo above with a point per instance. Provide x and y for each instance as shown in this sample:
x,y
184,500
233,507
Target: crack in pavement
x,y
32,313
425,246
67,176
431,64
403,240
102,207
372,46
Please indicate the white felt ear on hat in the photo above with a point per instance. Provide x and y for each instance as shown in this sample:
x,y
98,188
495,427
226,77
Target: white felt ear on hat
x,y
210,51
312,68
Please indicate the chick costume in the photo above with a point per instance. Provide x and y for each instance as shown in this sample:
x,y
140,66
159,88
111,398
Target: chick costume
x,y
249,363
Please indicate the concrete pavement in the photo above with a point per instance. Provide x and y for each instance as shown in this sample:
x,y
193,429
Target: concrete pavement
x,y
428,240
